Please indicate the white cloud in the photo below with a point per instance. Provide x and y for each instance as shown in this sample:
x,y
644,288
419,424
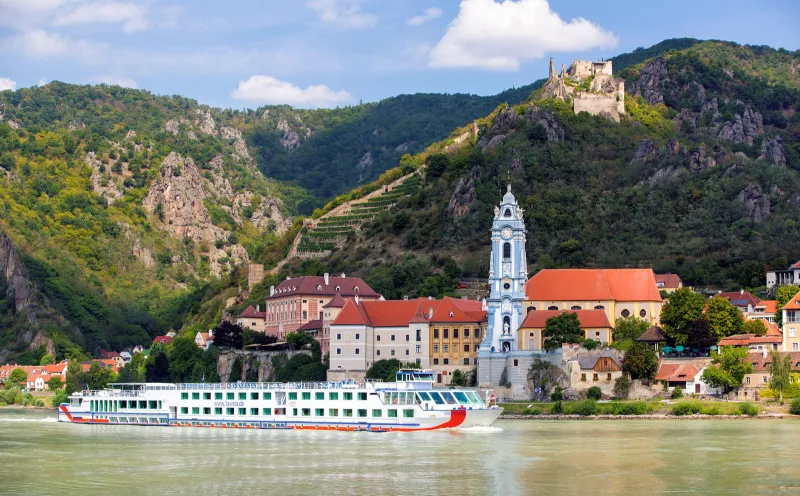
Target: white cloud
x,y
343,13
429,15
125,82
132,17
7,84
500,36
39,43
267,89
42,82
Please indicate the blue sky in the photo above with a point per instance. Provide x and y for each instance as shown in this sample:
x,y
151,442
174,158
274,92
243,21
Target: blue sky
x,y
323,53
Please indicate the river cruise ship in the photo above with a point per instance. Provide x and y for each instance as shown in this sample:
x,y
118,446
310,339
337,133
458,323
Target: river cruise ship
x,y
408,404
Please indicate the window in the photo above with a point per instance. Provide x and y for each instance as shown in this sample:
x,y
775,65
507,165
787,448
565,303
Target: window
x,y
764,379
406,351
347,412
408,338
357,351
376,412
507,246
306,412
446,361
378,337
643,313
391,413
408,413
242,396
362,396
794,347
206,411
595,377
243,411
306,395
217,396
293,395
747,380
217,411
599,307
195,396
294,412
516,362
608,376
378,352
392,337
362,412
229,396
333,412
625,313
552,307
358,336
419,348
319,396
435,348
436,334
466,348
253,396
392,352
348,396
455,334
319,412
229,411
466,333
792,332
184,410
338,351
466,361
338,336
576,307
419,335
333,396
446,333
184,396
446,348
254,411
266,396
436,361
305,315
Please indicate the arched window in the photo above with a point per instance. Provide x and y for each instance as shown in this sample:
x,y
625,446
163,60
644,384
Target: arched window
x,y
507,213
338,289
599,307
355,289
506,250
642,313
576,307
531,309
625,313
552,307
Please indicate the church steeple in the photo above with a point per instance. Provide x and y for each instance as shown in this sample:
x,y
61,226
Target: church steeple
x,y
508,273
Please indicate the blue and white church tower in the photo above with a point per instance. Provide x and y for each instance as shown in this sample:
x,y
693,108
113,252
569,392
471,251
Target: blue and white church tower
x,y
508,272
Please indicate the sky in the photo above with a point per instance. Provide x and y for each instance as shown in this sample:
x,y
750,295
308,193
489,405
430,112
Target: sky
x,y
328,53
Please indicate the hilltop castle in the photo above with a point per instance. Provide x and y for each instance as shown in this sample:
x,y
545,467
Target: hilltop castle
x,y
590,86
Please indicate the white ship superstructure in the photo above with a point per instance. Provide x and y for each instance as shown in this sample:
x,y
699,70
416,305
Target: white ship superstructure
x,y
409,404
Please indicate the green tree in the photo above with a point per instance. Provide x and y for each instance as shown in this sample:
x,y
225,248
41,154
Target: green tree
x,y
384,370
458,378
700,334
723,318
236,370
183,355
75,378
683,307
157,369
629,328
46,360
98,377
622,387
756,327
641,362
55,383
731,367
564,328
780,370
16,377
783,295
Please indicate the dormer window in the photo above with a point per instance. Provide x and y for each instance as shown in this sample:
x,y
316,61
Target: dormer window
x,y
451,314
338,288
319,288
355,289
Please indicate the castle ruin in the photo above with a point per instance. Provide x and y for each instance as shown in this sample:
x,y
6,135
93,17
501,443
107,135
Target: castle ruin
x,y
590,86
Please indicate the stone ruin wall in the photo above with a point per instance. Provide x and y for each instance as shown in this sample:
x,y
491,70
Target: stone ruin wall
x,y
598,104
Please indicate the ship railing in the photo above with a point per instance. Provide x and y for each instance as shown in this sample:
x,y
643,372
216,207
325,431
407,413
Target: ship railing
x,y
276,385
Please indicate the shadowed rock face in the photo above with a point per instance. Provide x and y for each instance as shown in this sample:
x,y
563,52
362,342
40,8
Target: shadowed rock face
x,y
16,275
463,197
649,83
645,150
746,127
772,151
756,204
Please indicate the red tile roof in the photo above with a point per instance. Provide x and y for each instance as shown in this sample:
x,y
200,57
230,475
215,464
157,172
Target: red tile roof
x,y
794,303
593,285
336,302
676,372
162,339
590,319
796,265
315,286
772,329
311,325
250,313
668,281
399,313
740,298
748,339
653,334
761,362
351,314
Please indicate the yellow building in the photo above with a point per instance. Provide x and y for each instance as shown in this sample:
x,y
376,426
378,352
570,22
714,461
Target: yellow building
x,y
457,328
617,292
594,325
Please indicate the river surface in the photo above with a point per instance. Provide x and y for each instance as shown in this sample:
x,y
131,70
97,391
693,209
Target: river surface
x,y
633,457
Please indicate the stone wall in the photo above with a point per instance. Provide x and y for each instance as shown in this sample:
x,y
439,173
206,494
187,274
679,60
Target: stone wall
x,y
255,274
344,375
597,104
516,365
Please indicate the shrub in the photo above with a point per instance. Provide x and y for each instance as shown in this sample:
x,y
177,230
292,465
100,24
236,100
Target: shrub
x,y
677,392
635,408
557,394
749,409
585,408
622,387
531,411
687,408
594,393
711,410
557,409
794,409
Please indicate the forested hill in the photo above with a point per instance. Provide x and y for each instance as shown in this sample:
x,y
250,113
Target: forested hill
x,y
699,178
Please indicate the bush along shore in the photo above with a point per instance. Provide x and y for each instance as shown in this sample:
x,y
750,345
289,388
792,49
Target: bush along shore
x,y
655,410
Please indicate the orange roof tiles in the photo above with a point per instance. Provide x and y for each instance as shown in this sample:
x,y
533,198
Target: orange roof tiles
x,y
676,372
794,303
251,313
749,339
770,306
399,313
668,281
593,285
590,319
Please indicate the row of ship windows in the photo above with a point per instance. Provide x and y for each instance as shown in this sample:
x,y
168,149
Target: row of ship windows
x,y
116,405
303,412
306,395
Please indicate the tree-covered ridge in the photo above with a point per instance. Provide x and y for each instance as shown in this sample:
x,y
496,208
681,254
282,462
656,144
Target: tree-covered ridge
x,y
704,184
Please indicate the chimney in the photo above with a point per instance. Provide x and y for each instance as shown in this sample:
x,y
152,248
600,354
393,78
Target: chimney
x,y
356,299
764,353
405,297
552,69
258,308
741,291
430,312
326,276
271,290
211,333
430,298
343,275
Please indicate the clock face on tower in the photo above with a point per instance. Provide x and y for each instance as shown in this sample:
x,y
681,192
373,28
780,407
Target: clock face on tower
x,y
506,233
